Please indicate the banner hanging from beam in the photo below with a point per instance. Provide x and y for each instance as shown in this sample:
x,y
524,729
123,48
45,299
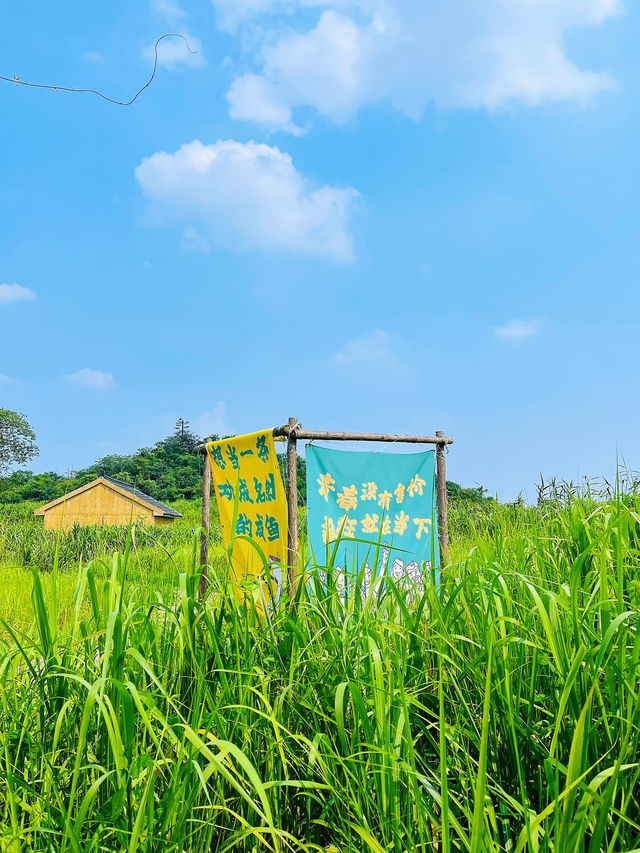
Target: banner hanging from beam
x,y
366,499
251,502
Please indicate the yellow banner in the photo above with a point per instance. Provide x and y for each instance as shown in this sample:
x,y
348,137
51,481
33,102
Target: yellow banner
x,y
251,501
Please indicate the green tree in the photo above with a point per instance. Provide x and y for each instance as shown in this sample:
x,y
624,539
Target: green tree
x,y
17,440
475,494
167,471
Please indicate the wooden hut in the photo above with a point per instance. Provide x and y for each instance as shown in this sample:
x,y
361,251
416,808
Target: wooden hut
x,y
105,501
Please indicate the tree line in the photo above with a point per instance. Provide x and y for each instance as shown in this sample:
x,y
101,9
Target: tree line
x,y
167,471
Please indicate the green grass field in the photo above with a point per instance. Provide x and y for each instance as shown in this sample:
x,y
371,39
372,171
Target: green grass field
x,y
156,556
500,712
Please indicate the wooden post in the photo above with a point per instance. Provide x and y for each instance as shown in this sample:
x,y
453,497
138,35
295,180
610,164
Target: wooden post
x,y
204,536
441,500
292,506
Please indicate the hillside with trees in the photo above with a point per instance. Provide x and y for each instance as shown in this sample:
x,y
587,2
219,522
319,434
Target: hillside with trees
x,y
168,471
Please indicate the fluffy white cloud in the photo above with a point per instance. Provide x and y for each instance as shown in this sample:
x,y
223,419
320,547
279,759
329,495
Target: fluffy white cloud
x,y
95,380
253,98
373,350
15,293
247,195
212,422
410,53
516,331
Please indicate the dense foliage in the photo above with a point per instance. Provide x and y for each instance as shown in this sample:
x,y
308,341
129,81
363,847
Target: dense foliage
x,y
475,494
17,440
168,471
498,713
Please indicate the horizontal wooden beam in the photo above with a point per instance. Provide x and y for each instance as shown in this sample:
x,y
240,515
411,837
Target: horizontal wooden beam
x,y
321,435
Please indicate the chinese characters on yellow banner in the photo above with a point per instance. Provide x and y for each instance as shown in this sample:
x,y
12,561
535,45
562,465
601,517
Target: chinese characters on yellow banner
x,y
251,501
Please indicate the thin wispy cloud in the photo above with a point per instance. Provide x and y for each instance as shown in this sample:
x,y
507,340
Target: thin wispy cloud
x,y
170,10
516,331
173,53
194,242
93,56
94,380
247,195
212,422
6,380
375,350
10,293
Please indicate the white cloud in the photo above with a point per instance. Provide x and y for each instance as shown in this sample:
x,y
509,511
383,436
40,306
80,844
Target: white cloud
x,y
194,242
93,56
516,331
231,13
411,53
170,10
15,293
375,349
95,380
6,380
174,52
212,422
253,98
248,195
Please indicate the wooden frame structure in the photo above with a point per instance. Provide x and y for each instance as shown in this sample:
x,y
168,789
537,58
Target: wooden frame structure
x,y
292,432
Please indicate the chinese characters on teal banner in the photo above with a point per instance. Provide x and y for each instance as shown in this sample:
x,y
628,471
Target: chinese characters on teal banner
x,y
369,497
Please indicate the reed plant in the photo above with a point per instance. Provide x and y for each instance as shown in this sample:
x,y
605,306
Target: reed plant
x,y
24,541
499,711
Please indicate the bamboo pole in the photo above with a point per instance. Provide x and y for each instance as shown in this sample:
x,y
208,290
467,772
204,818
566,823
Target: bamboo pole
x,y
292,505
441,499
321,435
206,515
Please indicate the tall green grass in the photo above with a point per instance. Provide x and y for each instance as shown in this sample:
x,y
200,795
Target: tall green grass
x,y
24,541
156,556
500,712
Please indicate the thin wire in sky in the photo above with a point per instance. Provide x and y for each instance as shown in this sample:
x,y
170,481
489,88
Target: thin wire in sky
x,y
18,82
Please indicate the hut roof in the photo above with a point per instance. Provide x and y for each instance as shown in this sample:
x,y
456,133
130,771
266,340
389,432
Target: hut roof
x,y
141,496
119,486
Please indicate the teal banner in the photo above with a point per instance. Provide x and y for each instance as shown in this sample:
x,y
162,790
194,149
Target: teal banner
x,y
365,498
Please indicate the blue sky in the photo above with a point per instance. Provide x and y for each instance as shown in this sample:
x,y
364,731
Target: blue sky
x,y
389,216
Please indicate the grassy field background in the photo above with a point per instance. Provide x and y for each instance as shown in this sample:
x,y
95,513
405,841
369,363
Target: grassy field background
x,y
500,712
157,556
